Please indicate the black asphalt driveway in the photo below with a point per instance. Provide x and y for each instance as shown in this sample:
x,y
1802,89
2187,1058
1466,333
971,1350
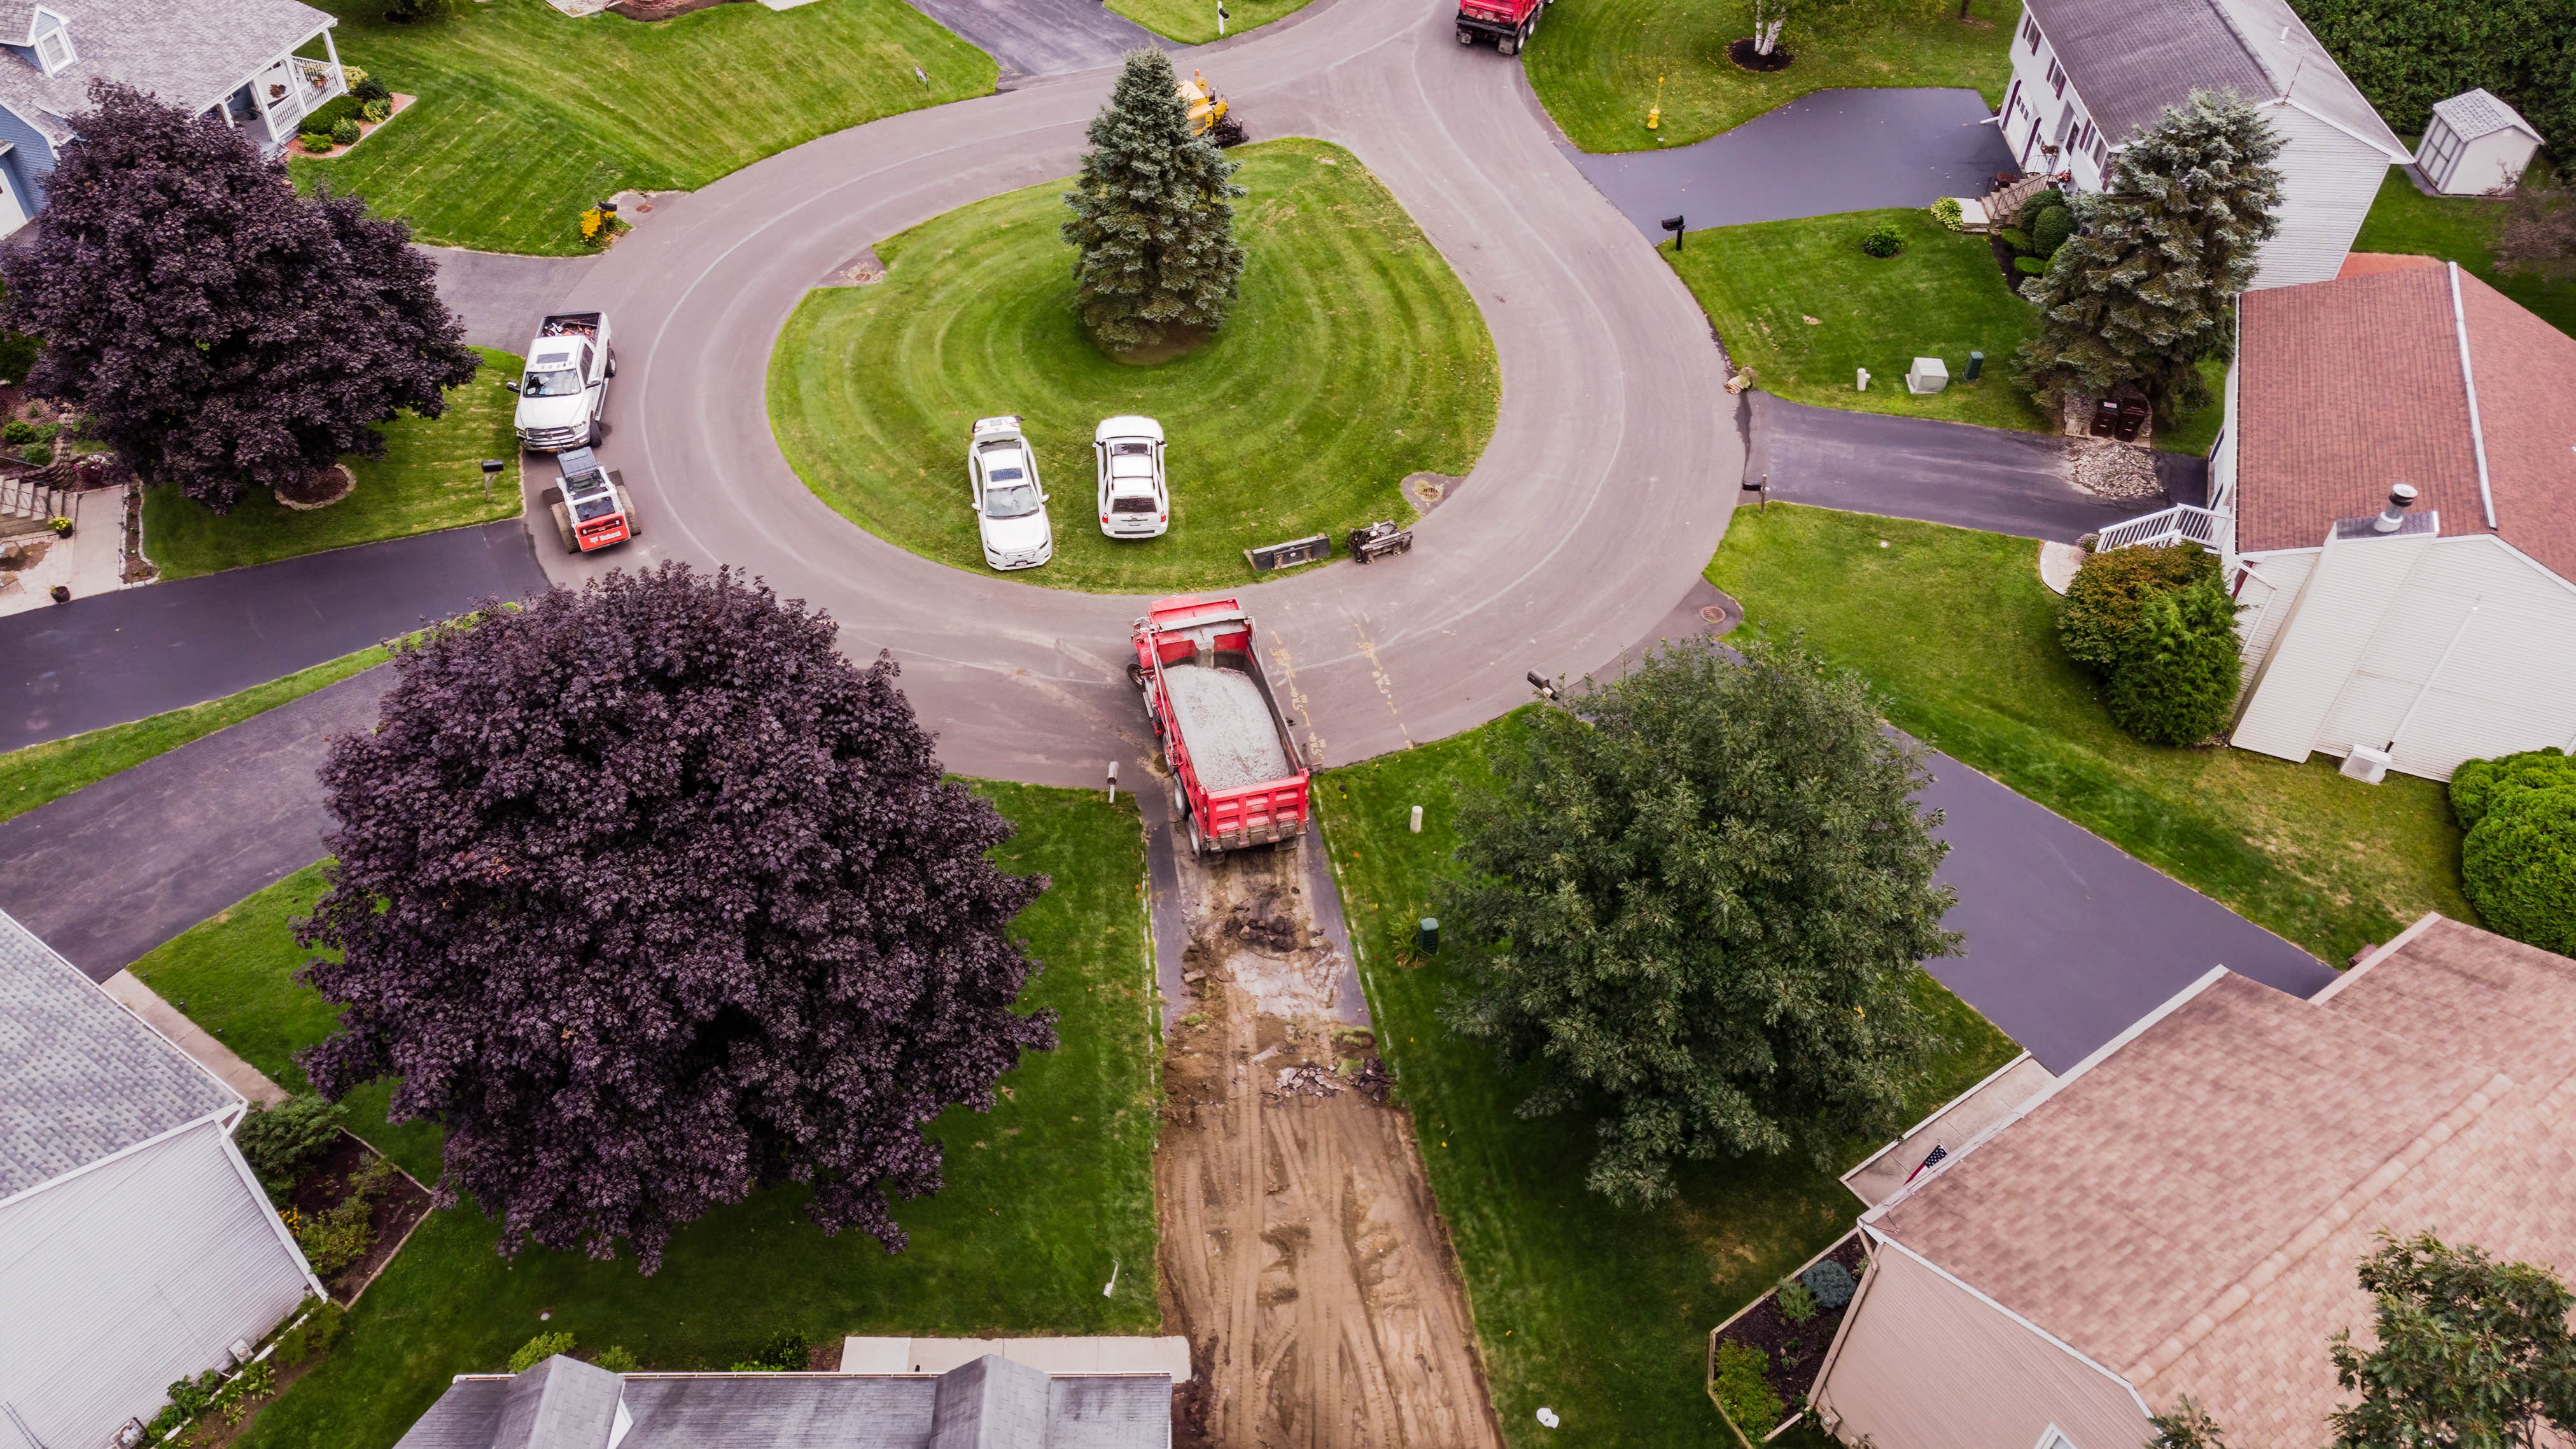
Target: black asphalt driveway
x,y
110,658
1954,473
1823,153
1042,37
501,299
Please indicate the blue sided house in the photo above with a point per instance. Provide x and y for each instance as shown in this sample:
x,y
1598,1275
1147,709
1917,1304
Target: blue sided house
x,y
259,65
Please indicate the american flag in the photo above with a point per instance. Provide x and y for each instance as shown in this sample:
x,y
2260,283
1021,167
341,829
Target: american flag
x,y
1938,1152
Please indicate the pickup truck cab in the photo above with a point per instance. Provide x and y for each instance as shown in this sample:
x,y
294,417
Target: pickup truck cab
x,y
1009,502
1135,501
565,389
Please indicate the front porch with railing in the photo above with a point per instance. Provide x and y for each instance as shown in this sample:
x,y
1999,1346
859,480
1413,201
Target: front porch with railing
x,y
273,103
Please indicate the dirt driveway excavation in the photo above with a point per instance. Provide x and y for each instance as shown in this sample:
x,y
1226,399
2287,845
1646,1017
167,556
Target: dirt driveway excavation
x,y
1301,1252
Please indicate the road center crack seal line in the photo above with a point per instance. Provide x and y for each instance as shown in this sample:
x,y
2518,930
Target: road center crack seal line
x,y
1385,686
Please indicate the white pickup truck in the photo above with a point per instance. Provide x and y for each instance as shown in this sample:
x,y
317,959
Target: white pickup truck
x,y
565,391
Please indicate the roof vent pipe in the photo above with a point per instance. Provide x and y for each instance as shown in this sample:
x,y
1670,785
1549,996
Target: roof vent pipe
x,y
2400,498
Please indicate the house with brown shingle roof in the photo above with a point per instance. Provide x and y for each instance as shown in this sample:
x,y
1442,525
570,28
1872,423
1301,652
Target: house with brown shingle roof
x,y
2418,633
2183,1212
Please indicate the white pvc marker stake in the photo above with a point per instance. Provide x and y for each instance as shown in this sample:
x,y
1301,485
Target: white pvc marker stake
x,y
1417,820
1862,382
1548,1417
1113,782
1113,1279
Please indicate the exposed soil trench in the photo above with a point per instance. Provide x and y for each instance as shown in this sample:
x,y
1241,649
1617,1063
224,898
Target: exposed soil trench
x,y
1301,1253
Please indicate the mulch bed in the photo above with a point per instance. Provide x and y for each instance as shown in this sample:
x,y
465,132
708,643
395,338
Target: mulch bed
x,y
1796,1350
320,489
403,1204
1745,58
2004,253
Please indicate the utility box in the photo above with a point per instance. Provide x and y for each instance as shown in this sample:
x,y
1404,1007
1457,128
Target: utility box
x,y
1927,375
2365,764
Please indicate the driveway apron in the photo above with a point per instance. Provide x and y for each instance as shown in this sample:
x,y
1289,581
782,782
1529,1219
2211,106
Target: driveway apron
x,y
1899,467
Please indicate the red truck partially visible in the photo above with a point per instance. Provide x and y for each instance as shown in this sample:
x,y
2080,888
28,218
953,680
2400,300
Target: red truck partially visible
x,y
1236,770
1507,23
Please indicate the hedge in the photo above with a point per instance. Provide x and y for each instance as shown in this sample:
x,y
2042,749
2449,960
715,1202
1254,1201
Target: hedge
x,y
2518,862
2100,613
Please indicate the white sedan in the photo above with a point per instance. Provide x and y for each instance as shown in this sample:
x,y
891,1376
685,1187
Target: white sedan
x,y
1009,502
1134,501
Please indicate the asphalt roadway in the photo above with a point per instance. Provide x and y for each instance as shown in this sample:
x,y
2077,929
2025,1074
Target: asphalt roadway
x,y
1823,153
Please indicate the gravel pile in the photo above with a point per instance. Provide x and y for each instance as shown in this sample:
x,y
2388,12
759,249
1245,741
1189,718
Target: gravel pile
x,y
1228,728
2108,469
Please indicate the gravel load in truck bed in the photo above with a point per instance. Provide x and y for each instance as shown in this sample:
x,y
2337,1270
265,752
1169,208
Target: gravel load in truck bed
x,y
1226,726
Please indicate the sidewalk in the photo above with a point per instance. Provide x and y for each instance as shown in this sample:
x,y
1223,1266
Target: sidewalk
x,y
191,1038
90,562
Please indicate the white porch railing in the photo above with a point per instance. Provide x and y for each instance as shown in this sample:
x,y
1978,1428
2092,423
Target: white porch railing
x,y
2181,523
301,86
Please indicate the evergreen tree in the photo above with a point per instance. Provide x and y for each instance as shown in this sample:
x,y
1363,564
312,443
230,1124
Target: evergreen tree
x,y
2147,287
1150,214
2178,684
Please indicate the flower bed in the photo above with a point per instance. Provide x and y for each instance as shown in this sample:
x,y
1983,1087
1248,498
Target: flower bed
x,y
350,1212
1791,1352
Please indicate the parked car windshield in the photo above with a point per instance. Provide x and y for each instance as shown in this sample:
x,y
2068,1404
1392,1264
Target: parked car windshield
x,y
556,382
1016,500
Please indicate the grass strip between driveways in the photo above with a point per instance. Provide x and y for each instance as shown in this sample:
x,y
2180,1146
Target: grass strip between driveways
x,y
1595,63
430,478
1193,22
1354,357
2462,229
526,116
1958,631
31,776
1598,1312
1043,1193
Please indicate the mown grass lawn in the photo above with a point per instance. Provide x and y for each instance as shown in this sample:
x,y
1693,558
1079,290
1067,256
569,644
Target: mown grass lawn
x,y
1958,631
1353,358
1043,1192
1806,307
31,776
526,116
1193,22
430,477
2462,229
1597,1312
1595,62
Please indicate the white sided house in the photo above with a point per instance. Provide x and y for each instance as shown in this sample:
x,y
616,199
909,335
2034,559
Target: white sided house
x,y
2088,73
2412,637
136,1247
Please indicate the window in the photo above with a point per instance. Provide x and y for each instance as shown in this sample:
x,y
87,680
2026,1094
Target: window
x,y
54,50
2101,152
2030,33
2056,78
2053,1438
2441,148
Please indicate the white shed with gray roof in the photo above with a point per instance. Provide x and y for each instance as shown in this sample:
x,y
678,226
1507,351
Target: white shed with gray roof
x,y
135,1245
2474,144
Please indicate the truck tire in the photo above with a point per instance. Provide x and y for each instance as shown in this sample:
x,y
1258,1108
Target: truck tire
x,y
1136,674
591,439
612,362
1508,45
1466,36
563,528
634,521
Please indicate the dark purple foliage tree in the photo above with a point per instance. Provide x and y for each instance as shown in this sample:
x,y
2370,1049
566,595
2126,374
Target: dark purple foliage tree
x,y
219,331
649,897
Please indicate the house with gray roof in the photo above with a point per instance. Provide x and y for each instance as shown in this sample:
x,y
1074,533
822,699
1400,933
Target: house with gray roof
x,y
136,1247
257,65
988,1403
2088,74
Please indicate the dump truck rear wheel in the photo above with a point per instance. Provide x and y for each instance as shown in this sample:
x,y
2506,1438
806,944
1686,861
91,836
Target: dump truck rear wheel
x,y
1466,36
1136,674
1508,45
563,528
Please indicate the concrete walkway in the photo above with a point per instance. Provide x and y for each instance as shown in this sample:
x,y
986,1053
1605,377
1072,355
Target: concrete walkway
x,y
200,1045
1819,155
1954,473
118,657
91,561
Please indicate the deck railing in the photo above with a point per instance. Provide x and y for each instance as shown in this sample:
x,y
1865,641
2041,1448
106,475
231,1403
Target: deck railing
x,y
2182,523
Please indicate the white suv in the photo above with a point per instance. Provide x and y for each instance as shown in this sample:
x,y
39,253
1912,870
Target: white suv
x,y
1009,503
1134,501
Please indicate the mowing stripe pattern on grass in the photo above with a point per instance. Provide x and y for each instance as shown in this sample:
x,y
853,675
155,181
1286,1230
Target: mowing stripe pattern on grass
x,y
526,116
1353,358
1193,22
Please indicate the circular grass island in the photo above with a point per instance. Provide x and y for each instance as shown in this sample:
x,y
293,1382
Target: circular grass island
x,y
1352,358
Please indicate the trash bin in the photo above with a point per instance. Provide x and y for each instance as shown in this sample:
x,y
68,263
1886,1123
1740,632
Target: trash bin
x,y
1426,937
2106,418
2134,410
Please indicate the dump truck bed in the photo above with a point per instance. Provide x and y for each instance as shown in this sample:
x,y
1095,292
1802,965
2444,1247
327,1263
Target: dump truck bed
x,y
1233,764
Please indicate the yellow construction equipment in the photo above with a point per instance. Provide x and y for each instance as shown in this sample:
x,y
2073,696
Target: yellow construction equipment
x,y
1210,114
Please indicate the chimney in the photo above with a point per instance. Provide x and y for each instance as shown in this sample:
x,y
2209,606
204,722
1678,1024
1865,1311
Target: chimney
x,y
2400,498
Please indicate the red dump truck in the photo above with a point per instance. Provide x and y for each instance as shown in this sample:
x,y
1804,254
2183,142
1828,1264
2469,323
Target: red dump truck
x,y
1507,23
1238,776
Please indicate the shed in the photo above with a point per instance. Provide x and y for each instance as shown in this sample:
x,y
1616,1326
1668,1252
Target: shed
x,y
136,1247
2474,144
2443,637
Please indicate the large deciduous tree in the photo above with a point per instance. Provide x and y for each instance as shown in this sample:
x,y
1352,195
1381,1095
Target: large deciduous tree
x,y
221,332
2469,1353
650,897
1697,905
1150,215
2146,288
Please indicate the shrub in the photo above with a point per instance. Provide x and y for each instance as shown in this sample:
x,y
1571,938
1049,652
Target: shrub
x,y
370,88
336,1239
2037,204
374,111
2177,685
18,433
280,1142
785,1352
2052,229
2476,781
1883,240
404,12
1743,1388
2101,608
1948,213
1796,1303
2015,238
37,453
190,1396
615,1359
1831,1282
538,1349
344,131
2030,266
310,1338
2518,864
